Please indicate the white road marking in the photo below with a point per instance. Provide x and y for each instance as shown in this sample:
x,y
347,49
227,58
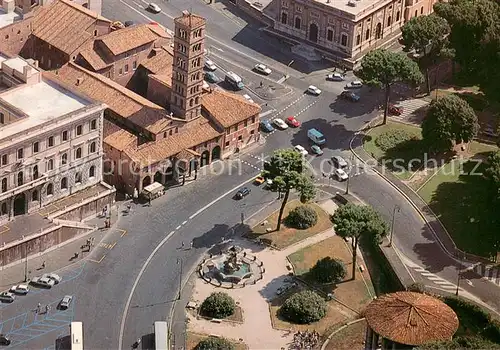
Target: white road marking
x,y
184,223
178,227
266,113
218,49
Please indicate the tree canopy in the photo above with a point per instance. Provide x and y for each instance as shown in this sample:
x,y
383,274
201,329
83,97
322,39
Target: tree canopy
x,y
359,223
425,34
461,343
328,270
383,68
286,169
492,171
449,119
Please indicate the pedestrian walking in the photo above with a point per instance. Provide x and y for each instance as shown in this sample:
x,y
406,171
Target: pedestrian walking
x,y
43,264
38,308
149,200
191,245
47,309
261,84
182,244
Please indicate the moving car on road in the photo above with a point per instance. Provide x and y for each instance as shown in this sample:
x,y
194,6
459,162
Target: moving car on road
x,y
316,150
335,77
313,90
43,282
248,98
65,302
292,122
266,126
7,297
234,80
280,124
20,289
339,162
356,84
56,278
243,192
154,8
340,174
349,95
210,65
395,110
259,180
301,150
316,137
211,77
262,69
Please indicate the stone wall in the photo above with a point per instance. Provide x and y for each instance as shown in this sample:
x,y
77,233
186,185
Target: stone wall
x,y
89,209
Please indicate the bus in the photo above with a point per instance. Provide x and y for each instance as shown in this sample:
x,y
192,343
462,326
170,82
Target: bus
x,y
234,80
76,329
161,335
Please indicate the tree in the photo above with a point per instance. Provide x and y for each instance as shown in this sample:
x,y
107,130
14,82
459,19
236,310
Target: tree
x,y
286,170
215,343
302,217
449,119
461,343
328,270
383,68
427,36
218,305
358,222
304,307
492,171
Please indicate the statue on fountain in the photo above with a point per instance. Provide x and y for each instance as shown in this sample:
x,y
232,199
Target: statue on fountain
x,y
231,263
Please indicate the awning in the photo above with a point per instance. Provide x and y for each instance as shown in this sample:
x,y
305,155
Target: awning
x,y
154,188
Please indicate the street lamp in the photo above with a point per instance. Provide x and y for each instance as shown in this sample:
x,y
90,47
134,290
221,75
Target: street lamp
x,y
396,207
459,277
179,262
351,159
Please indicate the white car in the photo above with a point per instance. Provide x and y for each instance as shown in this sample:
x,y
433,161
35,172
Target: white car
x,y
280,123
356,84
340,174
210,65
263,69
43,281
301,150
335,76
52,276
205,85
154,8
20,289
248,98
7,297
313,90
65,302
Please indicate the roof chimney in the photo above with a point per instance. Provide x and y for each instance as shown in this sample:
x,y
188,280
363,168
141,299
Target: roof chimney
x,y
79,81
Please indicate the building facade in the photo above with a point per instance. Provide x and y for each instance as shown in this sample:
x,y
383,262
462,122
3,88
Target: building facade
x,y
50,147
348,29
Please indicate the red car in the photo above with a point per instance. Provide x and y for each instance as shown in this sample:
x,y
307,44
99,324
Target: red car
x,y
395,110
292,122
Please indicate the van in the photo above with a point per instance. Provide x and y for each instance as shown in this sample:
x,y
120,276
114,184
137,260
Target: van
x,y
316,137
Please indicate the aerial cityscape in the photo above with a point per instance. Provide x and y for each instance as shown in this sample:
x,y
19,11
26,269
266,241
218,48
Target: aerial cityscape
x,y
240,174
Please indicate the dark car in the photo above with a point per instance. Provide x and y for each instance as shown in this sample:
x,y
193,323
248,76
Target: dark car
x,y
243,192
129,23
265,125
4,340
349,95
395,110
211,77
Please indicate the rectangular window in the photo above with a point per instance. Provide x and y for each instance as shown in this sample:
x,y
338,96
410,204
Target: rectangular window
x,y
93,124
343,40
120,71
79,130
329,35
126,68
252,132
246,123
51,142
253,120
134,65
5,159
2,118
20,153
35,147
65,136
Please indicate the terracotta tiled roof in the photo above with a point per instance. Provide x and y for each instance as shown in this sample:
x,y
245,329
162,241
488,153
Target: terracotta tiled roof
x,y
228,108
119,99
93,58
160,63
159,30
120,139
65,25
411,318
199,130
190,20
126,39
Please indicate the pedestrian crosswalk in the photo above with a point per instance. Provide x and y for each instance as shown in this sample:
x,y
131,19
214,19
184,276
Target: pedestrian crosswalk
x,y
488,272
413,111
438,281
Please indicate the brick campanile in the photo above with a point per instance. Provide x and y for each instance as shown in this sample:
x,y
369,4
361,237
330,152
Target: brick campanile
x,y
187,70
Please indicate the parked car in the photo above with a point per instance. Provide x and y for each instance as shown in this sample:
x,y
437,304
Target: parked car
x,y
395,110
265,125
20,289
335,77
210,65
248,98
340,174
349,95
313,90
56,278
339,162
65,302
262,69
7,297
129,23
301,150
43,282
316,136
154,8
4,340
211,77
243,192
280,124
292,122
316,150
205,85
356,84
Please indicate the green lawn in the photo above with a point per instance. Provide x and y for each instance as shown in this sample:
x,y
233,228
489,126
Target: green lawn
x,y
403,154
462,199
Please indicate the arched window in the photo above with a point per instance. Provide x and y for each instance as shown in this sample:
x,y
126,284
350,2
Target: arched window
x,y
35,172
92,147
50,164
297,22
191,103
92,171
64,183
34,195
389,21
78,177
4,184
196,100
50,190
4,209
20,178
367,35
78,153
358,39
284,18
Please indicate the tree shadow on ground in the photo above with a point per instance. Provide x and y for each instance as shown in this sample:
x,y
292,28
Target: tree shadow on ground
x,y
348,109
271,291
430,254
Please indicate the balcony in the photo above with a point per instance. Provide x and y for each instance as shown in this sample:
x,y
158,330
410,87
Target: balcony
x,y
24,187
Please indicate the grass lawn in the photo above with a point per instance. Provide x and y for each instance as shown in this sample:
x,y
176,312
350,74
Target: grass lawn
x,y
351,337
288,236
403,153
462,203
353,293
192,339
336,315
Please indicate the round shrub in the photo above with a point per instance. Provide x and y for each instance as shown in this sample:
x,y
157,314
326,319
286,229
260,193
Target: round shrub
x,y
304,307
215,343
393,138
328,270
218,305
302,217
